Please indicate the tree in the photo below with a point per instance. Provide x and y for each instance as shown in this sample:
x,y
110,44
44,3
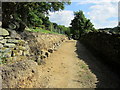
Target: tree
x,y
80,25
35,19
25,11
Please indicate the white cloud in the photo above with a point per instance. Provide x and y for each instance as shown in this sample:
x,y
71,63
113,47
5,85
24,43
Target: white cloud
x,y
62,17
102,10
99,12
96,1
119,11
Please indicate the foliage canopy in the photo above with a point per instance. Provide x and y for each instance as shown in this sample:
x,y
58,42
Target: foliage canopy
x,y
80,25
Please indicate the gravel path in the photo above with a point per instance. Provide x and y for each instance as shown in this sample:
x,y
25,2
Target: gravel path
x,y
73,66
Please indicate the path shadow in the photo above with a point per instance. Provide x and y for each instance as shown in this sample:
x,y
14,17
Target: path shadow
x,y
106,77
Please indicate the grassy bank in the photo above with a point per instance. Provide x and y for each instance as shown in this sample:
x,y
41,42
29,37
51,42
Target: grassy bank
x,y
41,30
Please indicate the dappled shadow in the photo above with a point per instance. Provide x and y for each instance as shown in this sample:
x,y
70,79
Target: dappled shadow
x,y
106,78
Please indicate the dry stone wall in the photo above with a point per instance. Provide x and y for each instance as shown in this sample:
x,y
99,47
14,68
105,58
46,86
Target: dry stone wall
x,y
23,52
41,45
16,46
106,44
12,46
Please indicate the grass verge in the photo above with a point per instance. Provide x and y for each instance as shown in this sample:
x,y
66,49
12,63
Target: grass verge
x,y
41,30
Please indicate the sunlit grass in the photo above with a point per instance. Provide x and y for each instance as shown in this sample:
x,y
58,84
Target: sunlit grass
x,y
42,31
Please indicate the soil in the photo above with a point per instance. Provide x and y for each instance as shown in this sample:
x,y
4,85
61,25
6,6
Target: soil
x,y
73,66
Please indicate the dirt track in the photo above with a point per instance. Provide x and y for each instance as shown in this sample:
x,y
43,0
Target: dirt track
x,y
67,69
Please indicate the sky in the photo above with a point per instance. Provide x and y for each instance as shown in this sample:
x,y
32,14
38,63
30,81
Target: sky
x,y
119,11
102,13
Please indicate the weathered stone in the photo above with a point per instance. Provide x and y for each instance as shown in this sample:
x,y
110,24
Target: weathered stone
x,y
12,26
3,41
1,38
8,37
1,46
0,54
47,54
14,34
0,80
21,48
56,48
42,57
21,42
0,22
41,62
28,29
7,54
26,53
44,54
50,50
20,52
10,45
24,48
12,41
27,47
3,32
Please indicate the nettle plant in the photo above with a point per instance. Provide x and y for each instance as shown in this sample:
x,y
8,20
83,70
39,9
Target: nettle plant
x,y
3,55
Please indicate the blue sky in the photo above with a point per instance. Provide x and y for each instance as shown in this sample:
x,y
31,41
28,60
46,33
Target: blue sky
x,y
102,13
119,12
